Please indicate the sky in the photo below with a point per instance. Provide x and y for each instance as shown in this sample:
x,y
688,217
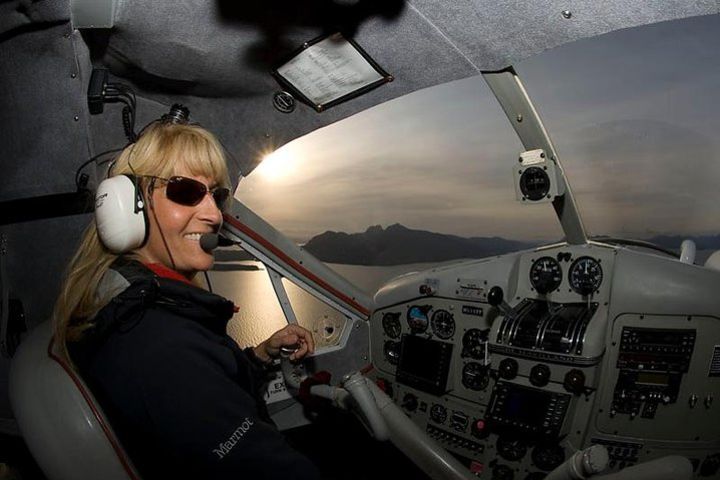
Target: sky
x,y
634,116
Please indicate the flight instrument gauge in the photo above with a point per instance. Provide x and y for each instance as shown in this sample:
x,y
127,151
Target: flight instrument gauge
x,y
474,343
586,275
417,318
391,324
475,376
535,183
511,448
548,457
545,275
438,413
443,324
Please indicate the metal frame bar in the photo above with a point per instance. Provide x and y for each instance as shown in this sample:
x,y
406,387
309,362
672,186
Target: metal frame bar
x,y
513,98
285,259
281,294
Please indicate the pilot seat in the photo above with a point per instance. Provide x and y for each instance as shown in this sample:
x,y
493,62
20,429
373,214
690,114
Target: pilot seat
x,y
62,424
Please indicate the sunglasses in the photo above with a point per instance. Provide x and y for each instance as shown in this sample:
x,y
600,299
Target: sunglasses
x,y
190,192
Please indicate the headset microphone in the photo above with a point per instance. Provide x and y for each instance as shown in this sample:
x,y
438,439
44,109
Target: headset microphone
x,y
210,241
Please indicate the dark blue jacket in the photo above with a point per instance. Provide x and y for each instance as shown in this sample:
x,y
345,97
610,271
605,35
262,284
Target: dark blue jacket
x,y
184,400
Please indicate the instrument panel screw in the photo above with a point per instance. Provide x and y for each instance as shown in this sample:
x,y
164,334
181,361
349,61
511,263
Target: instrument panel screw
x,y
567,14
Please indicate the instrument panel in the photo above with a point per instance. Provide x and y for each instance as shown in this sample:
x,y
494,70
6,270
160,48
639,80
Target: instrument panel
x,y
517,385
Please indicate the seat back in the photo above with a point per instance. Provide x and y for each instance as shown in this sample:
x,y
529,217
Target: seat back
x,y
62,424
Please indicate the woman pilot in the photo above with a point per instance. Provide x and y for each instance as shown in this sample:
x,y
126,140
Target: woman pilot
x,y
183,398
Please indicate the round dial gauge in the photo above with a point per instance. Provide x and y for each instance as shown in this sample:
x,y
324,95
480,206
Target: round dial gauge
x,y
391,324
511,448
443,324
392,351
545,275
586,275
534,183
474,342
417,319
548,457
438,413
475,376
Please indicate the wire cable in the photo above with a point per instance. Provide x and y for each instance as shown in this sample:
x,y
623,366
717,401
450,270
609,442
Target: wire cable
x,y
85,164
207,280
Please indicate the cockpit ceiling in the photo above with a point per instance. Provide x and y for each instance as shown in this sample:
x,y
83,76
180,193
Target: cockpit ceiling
x,y
218,54
215,57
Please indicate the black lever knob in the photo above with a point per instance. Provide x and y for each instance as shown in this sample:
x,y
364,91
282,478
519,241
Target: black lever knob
x,y
495,298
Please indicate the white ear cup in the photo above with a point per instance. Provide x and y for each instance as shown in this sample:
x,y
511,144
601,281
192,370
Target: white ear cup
x,y
119,214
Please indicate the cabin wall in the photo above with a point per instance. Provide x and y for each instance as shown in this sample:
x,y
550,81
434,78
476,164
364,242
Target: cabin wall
x,y
44,122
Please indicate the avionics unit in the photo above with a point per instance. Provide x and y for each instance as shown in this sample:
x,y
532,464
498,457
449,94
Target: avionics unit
x,y
527,411
652,362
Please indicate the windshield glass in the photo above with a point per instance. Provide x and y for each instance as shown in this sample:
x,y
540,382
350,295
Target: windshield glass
x,y
428,178
632,115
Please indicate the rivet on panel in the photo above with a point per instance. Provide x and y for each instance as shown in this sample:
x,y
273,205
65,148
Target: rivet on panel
x,y
73,75
567,14
519,117
76,118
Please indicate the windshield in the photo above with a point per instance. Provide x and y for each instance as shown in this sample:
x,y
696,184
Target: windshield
x,y
428,178
632,115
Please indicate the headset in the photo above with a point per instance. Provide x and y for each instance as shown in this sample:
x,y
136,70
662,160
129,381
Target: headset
x,y
120,211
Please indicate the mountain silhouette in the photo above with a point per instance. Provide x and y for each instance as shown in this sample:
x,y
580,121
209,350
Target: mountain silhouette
x,y
398,245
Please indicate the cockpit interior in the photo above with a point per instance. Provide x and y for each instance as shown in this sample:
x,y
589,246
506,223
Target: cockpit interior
x,y
581,357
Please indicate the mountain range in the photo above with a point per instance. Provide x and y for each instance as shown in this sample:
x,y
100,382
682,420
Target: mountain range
x,y
398,245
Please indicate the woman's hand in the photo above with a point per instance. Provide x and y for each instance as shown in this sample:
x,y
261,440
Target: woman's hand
x,y
289,335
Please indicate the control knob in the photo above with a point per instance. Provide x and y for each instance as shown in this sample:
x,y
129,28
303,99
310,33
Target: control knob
x,y
574,381
508,368
540,375
479,429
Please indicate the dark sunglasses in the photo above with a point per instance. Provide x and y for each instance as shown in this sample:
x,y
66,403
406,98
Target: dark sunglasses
x,y
190,192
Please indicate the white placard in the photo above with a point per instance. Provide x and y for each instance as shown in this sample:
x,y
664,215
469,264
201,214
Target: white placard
x,y
276,390
328,70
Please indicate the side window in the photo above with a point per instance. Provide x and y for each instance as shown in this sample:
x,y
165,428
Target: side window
x,y
326,323
245,281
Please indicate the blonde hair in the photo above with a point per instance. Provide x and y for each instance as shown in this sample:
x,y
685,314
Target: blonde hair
x,y
162,150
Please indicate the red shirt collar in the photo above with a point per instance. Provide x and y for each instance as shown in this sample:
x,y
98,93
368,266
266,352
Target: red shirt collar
x,y
162,271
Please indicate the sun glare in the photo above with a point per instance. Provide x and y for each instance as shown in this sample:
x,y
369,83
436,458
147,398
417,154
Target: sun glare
x,y
277,166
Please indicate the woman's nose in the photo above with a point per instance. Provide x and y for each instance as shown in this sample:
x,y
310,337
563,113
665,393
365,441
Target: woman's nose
x,y
209,210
